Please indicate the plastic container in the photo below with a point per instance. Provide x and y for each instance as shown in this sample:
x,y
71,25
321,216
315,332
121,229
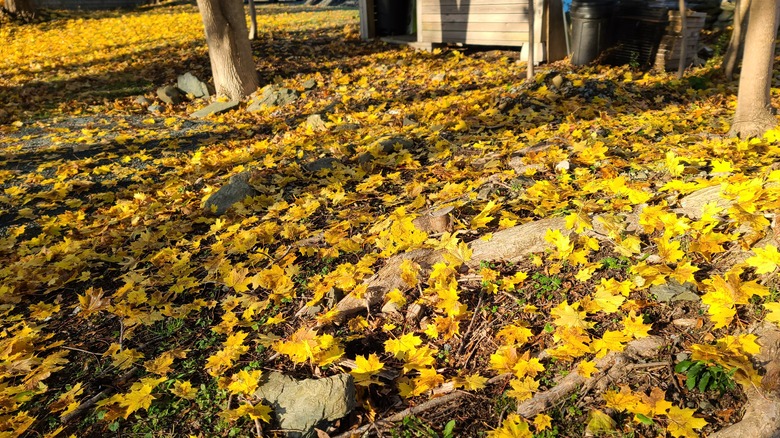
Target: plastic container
x,y
393,17
590,22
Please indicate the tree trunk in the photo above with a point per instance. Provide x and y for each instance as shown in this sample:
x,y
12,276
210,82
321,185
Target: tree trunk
x,y
24,9
229,50
734,49
683,40
252,20
754,114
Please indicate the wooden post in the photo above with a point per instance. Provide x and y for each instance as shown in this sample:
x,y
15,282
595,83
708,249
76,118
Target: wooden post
x,y
531,42
683,40
367,20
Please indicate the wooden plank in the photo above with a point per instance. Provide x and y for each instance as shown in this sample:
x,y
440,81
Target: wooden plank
x,y
504,38
367,21
476,9
419,28
475,18
555,36
473,2
497,27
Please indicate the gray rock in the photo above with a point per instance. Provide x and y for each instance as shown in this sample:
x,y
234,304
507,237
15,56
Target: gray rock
x,y
214,108
272,96
316,123
154,108
170,95
189,84
324,163
309,84
387,145
692,205
346,127
301,405
673,291
142,100
236,190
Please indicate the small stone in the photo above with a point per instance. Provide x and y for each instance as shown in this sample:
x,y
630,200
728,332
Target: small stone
x,y
557,81
681,356
191,85
674,291
236,190
154,108
408,121
272,96
686,323
438,77
563,166
170,95
214,108
309,84
142,100
387,145
346,127
316,123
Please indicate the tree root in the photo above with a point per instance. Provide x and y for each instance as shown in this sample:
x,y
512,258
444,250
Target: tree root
x,y
762,412
613,366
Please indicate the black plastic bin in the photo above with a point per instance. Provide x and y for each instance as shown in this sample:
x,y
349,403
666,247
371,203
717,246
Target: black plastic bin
x,y
393,16
590,24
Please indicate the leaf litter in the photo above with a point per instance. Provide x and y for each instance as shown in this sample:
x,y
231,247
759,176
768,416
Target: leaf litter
x,y
128,306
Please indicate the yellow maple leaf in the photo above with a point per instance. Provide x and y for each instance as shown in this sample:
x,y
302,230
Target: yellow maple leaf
x,y
774,312
401,346
474,382
366,368
522,389
140,395
542,422
409,271
682,422
244,382
766,259
184,389
237,278
513,427
586,368
568,316
483,218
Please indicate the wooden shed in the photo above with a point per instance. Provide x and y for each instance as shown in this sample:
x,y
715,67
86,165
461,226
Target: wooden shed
x,y
89,4
475,22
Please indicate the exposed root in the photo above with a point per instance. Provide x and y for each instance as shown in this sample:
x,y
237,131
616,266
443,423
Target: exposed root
x,y
762,412
612,366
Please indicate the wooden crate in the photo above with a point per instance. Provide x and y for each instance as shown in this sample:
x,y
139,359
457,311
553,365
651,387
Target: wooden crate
x,y
669,51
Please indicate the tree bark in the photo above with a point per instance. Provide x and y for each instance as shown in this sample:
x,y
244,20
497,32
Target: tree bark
x,y
24,9
229,50
734,49
754,114
252,20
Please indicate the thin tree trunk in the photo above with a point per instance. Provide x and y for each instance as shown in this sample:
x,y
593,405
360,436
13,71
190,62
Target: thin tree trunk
x,y
252,20
734,49
683,40
24,9
531,42
754,114
230,53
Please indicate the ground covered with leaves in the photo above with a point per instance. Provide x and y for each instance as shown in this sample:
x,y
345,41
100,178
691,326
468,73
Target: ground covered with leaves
x,y
128,307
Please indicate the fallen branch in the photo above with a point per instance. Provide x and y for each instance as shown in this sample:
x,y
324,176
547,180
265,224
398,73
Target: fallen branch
x,y
99,396
414,410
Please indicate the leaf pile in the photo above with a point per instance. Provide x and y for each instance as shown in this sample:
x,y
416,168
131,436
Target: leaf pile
x,y
117,282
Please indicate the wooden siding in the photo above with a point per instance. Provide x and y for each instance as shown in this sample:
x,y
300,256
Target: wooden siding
x,y
488,22
88,4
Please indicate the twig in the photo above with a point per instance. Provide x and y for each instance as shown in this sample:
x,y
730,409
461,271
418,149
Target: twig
x,y
471,324
97,356
99,396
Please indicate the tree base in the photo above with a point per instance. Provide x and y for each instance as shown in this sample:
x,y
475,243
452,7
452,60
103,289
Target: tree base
x,y
754,126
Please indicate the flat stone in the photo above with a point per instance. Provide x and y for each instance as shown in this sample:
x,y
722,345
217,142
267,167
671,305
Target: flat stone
x,y
142,100
309,84
236,190
272,96
214,108
154,108
324,163
191,85
170,95
316,123
301,405
673,291
692,205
